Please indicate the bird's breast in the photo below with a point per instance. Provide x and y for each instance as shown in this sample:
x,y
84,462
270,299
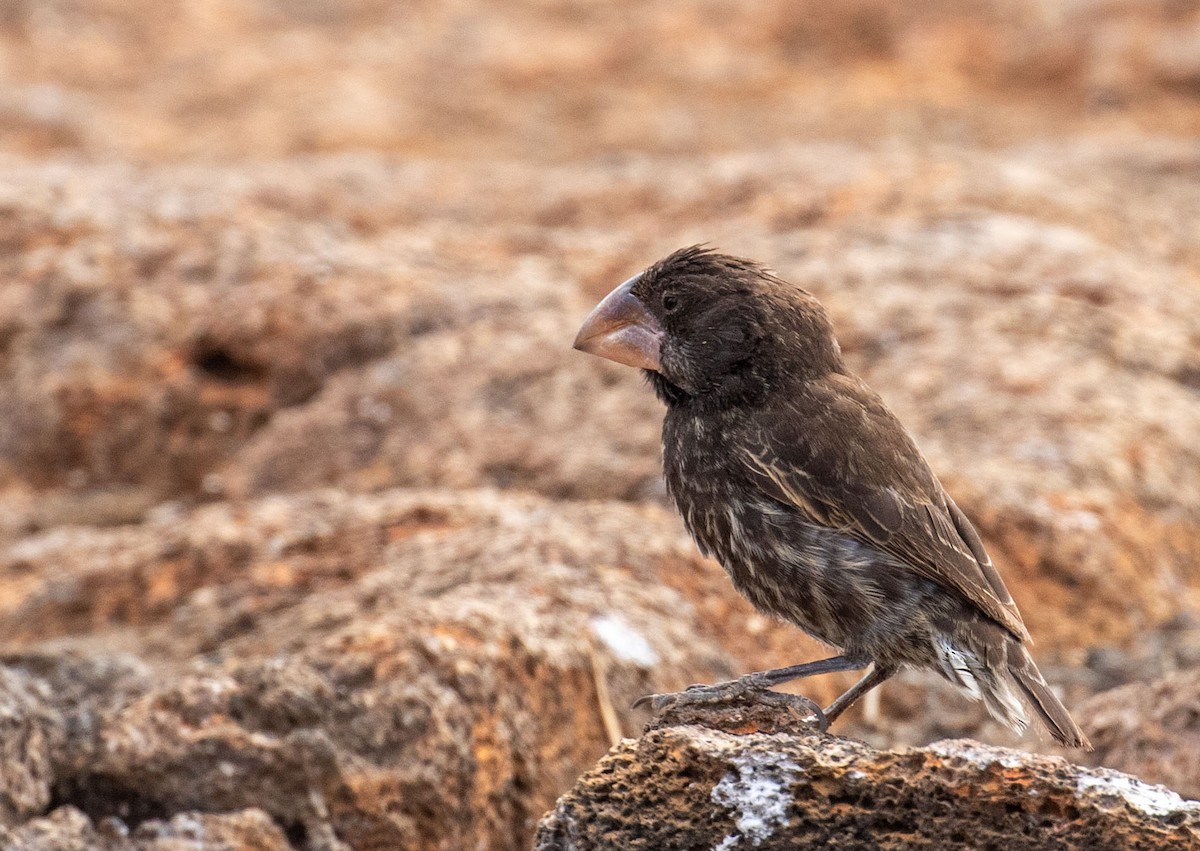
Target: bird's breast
x,y
753,537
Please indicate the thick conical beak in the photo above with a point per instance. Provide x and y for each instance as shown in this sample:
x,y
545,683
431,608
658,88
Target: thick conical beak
x,y
621,329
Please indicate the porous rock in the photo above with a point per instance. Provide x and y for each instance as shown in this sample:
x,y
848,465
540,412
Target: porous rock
x,y
240,341
68,829
29,733
213,579
490,80
704,787
424,670
1151,729
1006,246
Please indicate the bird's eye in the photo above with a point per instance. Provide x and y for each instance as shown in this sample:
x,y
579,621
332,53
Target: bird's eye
x,y
670,302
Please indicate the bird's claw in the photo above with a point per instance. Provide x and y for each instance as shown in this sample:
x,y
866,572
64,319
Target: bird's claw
x,y
802,703
657,702
745,687
690,695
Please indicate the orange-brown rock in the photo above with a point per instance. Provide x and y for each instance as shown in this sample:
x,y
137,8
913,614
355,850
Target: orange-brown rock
x,y
1151,729
189,583
248,339
262,265
406,669
29,735
205,79
701,786
69,829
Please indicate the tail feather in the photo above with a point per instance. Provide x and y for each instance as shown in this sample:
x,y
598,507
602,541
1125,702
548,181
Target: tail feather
x,y
989,664
978,667
1037,693
1004,704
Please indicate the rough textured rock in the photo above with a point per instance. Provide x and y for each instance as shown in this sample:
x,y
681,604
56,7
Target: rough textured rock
x,y
705,787
28,736
1151,729
262,265
68,829
215,78
406,669
247,341
283,328
152,344
189,583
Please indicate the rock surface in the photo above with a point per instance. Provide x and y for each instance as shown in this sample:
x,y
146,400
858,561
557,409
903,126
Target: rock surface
x,y
314,533
405,669
205,79
1046,365
1151,729
68,829
705,787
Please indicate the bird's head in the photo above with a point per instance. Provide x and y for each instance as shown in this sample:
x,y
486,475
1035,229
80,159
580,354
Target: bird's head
x,y
711,329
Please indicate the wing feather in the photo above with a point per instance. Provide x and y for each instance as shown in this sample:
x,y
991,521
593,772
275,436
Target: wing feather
x,y
863,475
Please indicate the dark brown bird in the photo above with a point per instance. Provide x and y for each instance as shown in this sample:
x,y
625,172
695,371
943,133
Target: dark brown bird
x,y
794,474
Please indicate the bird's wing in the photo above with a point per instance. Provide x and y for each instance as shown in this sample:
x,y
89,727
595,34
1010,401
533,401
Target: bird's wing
x,y
841,458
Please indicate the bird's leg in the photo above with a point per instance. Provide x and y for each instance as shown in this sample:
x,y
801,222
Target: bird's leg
x,y
757,685
874,677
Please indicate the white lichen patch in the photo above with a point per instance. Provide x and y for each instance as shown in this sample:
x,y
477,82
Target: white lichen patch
x,y
983,756
1152,800
625,642
759,791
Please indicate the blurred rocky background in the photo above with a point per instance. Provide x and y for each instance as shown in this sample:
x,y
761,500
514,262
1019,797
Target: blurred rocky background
x,y
314,532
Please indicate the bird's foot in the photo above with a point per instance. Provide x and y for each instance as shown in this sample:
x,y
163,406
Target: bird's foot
x,y
748,688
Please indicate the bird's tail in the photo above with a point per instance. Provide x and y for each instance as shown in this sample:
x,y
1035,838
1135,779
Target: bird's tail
x,y
992,666
1048,708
